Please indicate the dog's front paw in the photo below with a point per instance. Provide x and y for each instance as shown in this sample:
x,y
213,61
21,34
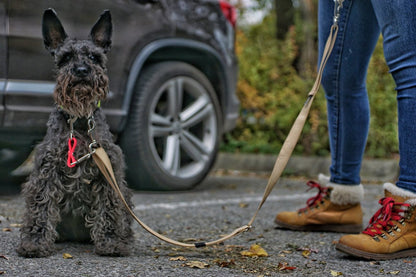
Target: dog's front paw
x,y
112,248
32,249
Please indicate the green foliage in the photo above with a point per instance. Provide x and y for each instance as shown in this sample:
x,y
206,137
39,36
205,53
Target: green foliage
x,y
272,93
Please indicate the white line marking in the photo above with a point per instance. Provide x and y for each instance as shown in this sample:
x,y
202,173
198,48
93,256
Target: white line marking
x,y
201,203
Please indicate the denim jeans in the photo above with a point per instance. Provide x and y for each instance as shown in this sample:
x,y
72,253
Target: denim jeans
x,y
344,79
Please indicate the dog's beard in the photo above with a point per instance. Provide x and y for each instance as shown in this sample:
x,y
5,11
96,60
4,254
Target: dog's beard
x,y
79,97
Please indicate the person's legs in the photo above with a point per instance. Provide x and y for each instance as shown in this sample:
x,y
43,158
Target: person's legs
x,y
397,22
392,230
337,207
344,82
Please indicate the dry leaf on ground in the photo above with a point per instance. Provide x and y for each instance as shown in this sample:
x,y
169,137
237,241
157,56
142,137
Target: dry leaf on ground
x,y
4,257
336,273
255,251
243,205
67,256
223,263
284,266
179,258
196,264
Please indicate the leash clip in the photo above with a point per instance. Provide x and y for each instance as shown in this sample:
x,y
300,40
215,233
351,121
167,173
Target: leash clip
x,y
337,9
71,162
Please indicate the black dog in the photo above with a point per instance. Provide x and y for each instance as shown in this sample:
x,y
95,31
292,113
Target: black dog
x,y
65,195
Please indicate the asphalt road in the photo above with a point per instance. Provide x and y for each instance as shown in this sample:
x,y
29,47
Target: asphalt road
x,y
218,206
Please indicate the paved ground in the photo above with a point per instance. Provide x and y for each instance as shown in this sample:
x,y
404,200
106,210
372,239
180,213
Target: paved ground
x,y
219,205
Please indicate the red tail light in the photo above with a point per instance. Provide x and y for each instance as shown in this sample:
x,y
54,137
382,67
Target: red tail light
x,y
229,12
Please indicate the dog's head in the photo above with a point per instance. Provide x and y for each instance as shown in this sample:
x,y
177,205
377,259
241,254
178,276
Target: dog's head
x,y
82,81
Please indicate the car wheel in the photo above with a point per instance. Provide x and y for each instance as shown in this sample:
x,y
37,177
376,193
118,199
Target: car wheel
x,y
174,127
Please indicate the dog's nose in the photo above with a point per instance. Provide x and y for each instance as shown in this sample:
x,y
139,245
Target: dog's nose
x,y
81,71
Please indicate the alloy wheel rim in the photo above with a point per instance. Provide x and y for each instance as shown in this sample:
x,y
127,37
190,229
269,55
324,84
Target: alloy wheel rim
x,y
182,127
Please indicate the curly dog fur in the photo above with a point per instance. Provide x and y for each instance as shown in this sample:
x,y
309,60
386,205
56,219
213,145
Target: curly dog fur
x,y
62,201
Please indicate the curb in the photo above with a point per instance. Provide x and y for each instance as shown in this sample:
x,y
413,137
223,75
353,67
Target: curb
x,y
372,170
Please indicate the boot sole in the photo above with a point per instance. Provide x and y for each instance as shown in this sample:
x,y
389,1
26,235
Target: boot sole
x,y
337,228
375,256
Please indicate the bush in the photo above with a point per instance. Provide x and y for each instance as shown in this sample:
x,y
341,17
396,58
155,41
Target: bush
x,y
272,94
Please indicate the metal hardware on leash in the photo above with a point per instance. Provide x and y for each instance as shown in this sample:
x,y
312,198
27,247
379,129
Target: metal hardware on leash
x,y
337,9
72,142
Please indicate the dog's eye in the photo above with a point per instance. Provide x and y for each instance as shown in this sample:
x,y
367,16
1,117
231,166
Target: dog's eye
x,y
65,59
94,58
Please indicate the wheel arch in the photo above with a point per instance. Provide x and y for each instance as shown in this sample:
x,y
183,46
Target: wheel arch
x,y
184,50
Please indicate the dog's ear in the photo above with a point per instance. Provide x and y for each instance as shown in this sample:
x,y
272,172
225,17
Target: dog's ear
x,y
53,33
102,30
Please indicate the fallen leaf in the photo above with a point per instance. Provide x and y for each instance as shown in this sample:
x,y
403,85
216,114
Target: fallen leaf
x,y
243,205
375,263
255,251
407,262
306,253
227,263
67,256
2,272
284,266
196,264
179,258
4,257
16,225
394,272
6,230
336,273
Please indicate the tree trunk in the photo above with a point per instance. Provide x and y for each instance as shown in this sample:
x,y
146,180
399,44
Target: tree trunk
x,y
308,48
284,17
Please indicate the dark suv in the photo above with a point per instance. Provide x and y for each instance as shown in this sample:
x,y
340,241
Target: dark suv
x,y
172,72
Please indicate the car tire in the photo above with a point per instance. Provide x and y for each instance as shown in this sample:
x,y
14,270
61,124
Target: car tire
x,y
173,132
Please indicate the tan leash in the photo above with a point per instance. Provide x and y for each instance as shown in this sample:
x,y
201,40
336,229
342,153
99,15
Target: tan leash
x,y
103,162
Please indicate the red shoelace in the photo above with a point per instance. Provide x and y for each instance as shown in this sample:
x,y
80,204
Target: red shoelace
x,y
317,198
383,219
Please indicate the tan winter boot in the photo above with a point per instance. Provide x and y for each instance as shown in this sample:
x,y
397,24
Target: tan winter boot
x,y
336,208
391,233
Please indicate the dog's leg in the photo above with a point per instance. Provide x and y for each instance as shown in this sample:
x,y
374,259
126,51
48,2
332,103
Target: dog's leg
x,y
111,229
38,233
109,222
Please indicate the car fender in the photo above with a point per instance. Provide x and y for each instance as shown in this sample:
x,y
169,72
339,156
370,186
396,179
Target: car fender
x,y
154,46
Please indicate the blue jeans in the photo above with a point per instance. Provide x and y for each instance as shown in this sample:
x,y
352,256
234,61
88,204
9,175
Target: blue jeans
x,y
344,78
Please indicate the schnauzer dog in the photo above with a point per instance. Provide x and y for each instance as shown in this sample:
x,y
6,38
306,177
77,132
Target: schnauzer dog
x,y
64,195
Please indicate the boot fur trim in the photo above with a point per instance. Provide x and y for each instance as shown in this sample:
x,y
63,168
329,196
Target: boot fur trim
x,y
346,194
323,179
395,190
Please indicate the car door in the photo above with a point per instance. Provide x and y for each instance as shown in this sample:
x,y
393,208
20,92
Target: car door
x,y
3,56
30,82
